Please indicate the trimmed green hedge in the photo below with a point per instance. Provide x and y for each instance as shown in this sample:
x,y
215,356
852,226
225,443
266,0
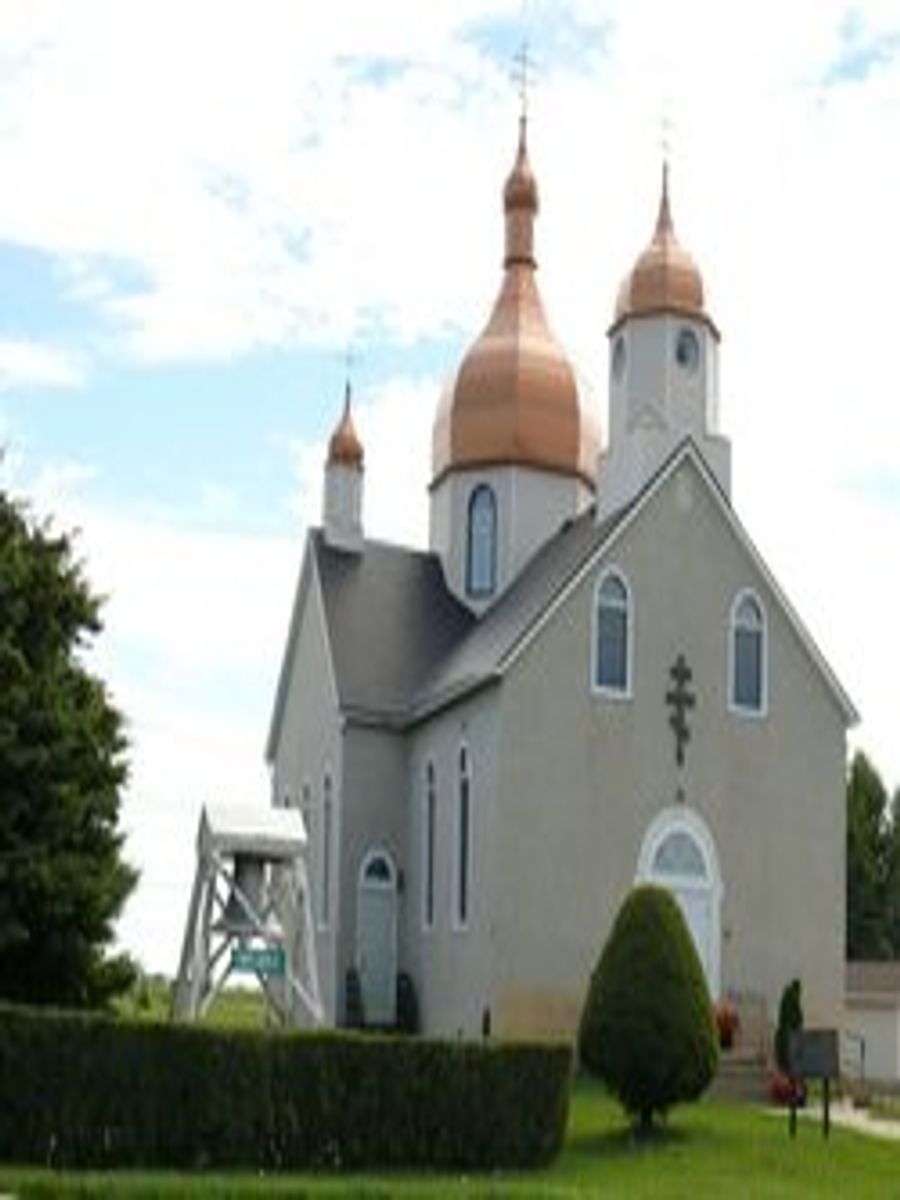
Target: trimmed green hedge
x,y
82,1090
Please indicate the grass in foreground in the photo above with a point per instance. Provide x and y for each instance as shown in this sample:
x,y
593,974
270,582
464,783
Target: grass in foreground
x,y
710,1149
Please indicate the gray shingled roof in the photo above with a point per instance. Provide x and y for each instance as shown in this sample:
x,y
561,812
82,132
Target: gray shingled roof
x,y
403,645
482,653
390,620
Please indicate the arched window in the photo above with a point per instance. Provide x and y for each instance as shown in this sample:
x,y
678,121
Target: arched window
x,y
481,547
429,816
747,656
462,866
327,852
612,635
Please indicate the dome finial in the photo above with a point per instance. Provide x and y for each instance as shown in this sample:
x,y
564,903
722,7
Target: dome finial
x,y
664,219
520,194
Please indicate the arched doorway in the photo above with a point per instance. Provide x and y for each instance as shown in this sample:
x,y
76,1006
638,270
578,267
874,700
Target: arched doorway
x,y
376,937
678,853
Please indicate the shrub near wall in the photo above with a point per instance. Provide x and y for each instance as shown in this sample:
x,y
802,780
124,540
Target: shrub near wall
x,y
78,1090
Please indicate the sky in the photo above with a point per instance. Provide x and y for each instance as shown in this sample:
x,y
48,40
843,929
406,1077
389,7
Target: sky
x,y
211,213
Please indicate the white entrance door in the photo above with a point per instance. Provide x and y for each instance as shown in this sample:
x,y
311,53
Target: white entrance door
x,y
678,854
376,938
696,907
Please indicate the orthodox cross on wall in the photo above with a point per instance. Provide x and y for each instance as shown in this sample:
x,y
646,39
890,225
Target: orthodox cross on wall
x,y
681,700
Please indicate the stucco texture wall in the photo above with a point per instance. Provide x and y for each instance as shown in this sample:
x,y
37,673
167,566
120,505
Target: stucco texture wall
x,y
309,747
453,967
581,777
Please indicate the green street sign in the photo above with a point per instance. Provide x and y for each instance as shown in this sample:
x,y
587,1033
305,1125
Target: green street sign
x,y
258,960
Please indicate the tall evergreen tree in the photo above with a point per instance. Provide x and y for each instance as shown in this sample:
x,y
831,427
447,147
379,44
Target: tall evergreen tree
x,y
62,766
868,847
892,877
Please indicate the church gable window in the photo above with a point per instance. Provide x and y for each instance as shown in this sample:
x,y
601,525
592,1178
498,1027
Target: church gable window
x,y
462,865
612,635
481,546
429,819
747,656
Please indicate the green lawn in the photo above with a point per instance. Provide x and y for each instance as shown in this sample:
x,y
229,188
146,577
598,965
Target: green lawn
x,y
709,1149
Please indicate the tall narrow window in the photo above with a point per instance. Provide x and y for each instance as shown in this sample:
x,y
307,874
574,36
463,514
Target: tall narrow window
x,y
481,549
429,815
748,654
612,635
327,853
463,856
306,807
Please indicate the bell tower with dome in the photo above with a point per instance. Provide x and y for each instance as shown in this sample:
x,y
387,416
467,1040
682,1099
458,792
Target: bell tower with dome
x,y
514,449
663,370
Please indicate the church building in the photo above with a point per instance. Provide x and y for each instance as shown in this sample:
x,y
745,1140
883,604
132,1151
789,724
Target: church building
x,y
590,679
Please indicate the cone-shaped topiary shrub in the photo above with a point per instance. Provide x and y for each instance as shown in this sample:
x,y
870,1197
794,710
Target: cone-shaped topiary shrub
x,y
648,1028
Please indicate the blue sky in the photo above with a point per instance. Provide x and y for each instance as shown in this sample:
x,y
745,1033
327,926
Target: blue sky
x,y
206,207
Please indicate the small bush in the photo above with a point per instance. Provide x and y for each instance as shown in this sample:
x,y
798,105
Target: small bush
x,y
89,1091
790,1021
647,1028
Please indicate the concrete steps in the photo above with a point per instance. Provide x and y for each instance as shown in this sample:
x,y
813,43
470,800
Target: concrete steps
x,y
743,1075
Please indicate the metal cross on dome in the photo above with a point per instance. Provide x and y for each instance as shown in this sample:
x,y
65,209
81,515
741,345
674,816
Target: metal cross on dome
x,y
523,73
681,700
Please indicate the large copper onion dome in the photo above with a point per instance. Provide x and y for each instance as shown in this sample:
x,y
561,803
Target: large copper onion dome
x,y
513,400
344,447
665,278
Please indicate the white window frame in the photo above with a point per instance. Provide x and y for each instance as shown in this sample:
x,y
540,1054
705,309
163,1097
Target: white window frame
x,y
475,592
326,854
605,690
429,847
459,921
744,710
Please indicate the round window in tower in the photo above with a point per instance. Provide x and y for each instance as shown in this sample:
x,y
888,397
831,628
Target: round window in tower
x,y
619,357
687,350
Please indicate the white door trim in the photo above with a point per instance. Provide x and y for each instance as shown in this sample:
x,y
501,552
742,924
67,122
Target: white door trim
x,y
680,818
369,883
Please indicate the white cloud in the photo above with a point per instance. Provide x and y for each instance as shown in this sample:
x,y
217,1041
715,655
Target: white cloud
x,y
26,363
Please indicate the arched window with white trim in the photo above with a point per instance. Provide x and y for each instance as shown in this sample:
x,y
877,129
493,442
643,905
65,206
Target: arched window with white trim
x,y
748,655
429,837
462,843
613,634
481,547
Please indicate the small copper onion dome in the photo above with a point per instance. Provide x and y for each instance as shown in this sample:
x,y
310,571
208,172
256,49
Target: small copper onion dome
x,y
345,447
665,278
513,400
